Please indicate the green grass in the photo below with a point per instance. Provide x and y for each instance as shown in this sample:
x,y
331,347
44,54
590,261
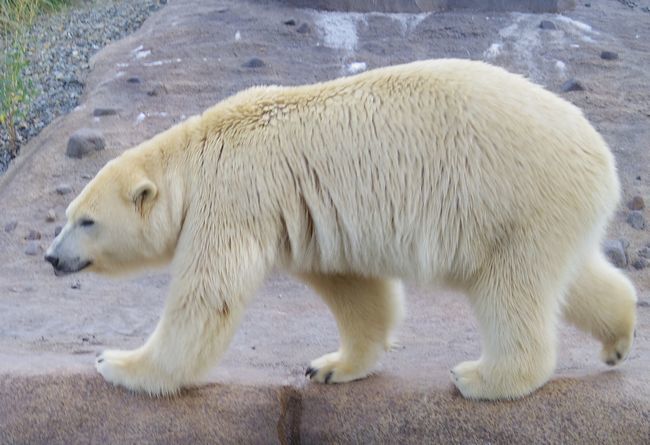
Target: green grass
x,y
16,16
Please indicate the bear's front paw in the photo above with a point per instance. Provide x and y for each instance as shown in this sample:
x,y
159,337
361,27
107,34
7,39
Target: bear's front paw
x,y
331,368
132,370
617,350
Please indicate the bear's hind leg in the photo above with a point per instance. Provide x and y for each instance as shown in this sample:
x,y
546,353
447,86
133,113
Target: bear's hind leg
x,y
516,308
367,310
602,302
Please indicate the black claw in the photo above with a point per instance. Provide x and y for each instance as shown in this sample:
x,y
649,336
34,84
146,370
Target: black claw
x,y
100,360
618,355
311,372
610,362
328,376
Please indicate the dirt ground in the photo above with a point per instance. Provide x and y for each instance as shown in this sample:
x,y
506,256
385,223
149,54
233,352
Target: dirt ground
x,y
193,53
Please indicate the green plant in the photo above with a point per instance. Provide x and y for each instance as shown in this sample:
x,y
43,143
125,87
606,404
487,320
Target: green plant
x,y
15,91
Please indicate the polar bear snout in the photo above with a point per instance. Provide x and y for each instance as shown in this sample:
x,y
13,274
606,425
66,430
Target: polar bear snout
x,y
61,258
64,267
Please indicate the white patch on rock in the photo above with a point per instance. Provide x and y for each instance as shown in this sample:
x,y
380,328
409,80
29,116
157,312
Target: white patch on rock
x,y
135,50
493,51
356,67
339,28
576,24
238,36
119,74
161,62
121,65
141,117
408,22
142,54
560,66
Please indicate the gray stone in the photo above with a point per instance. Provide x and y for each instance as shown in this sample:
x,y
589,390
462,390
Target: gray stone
x,y
547,24
290,22
608,55
84,142
76,284
63,189
11,226
640,263
615,250
33,235
645,253
157,90
32,248
571,85
635,219
99,112
636,203
304,28
255,62
51,216
133,80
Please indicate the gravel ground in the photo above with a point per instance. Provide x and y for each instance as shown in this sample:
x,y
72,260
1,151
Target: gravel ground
x,y
60,46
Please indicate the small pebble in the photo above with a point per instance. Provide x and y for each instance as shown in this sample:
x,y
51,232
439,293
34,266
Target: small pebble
x,y
608,55
99,112
572,85
304,29
32,248
547,24
636,203
157,90
57,230
33,235
290,22
76,284
51,216
133,80
63,189
615,250
635,219
255,62
83,142
11,226
640,263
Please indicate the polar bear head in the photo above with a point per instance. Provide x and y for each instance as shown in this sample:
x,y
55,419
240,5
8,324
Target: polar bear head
x,y
123,220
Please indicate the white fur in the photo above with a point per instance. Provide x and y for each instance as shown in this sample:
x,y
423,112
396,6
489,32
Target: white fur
x,y
446,171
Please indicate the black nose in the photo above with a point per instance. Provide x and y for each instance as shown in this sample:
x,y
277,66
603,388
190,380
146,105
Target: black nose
x,y
54,261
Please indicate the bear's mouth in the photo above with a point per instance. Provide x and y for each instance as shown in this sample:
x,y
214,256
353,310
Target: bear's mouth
x,y
64,269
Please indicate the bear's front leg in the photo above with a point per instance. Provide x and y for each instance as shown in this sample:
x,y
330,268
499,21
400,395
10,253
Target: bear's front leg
x,y
187,341
200,316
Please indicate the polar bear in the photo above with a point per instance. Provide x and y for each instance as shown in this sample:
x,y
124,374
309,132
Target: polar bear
x,y
447,172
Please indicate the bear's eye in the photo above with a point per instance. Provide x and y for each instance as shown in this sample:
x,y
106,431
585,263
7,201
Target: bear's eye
x,y
86,222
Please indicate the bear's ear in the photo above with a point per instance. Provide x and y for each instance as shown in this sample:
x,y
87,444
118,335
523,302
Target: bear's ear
x,y
143,195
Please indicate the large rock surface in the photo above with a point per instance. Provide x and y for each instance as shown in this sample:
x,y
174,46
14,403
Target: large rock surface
x,y
185,58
